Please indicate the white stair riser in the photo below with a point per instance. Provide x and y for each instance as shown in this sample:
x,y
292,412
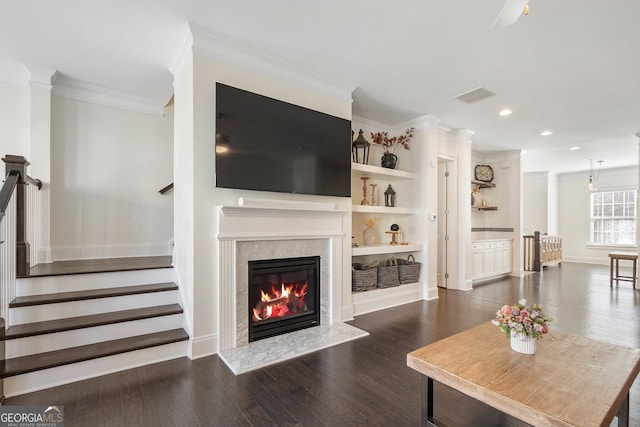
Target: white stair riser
x,y
40,313
21,384
60,340
82,282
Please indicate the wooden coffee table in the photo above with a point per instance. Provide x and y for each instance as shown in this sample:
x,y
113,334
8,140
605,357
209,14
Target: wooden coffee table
x,y
570,381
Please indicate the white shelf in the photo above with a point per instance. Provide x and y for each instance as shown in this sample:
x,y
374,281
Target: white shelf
x,y
384,249
383,209
376,172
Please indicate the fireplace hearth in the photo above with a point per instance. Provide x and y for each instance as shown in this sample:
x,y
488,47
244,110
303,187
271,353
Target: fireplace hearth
x,y
284,296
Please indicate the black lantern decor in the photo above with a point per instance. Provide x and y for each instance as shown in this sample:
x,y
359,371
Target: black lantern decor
x,y
360,149
389,197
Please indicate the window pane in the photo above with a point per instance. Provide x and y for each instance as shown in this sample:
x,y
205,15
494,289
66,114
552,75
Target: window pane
x,y
618,209
613,217
618,196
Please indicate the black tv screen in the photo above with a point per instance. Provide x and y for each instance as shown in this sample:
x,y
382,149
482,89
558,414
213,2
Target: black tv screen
x,y
269,145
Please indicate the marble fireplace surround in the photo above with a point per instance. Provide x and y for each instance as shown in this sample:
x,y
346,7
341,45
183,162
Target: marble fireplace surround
x,y
271,229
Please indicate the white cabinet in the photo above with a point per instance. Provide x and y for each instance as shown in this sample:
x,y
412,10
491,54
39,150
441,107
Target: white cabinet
x,y
477,253
491,258
504,254
402,214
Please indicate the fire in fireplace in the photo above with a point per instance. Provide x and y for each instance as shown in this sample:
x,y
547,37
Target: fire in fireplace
x,y
284,296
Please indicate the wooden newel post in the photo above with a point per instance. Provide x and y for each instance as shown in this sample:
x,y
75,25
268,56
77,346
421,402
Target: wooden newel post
x,y
23,262
537,252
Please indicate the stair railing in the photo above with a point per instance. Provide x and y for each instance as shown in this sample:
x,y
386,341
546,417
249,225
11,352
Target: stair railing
x,y
19,224
8,211
541,250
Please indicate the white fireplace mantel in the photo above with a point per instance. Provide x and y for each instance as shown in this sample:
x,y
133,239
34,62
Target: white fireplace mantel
x,y
311,223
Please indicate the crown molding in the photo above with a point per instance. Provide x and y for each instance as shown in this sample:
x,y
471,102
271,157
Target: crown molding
x,y
218,47
88,92
505,156
465,134
422,122
182,51
40,76
369,125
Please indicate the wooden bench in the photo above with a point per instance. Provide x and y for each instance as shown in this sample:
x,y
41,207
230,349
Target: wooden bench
x,y
615,259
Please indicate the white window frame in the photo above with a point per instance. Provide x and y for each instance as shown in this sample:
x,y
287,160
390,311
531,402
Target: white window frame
x,y
590,236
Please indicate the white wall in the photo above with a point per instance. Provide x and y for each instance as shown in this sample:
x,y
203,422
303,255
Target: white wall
x,y
507,197
535,202
456,148
573,212
14,120
107,166
552,206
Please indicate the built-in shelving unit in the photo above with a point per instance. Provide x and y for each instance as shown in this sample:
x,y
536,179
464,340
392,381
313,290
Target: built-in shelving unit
x,y
377,299
481,185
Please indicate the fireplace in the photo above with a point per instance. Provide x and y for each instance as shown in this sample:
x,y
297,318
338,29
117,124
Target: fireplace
x,y
284,296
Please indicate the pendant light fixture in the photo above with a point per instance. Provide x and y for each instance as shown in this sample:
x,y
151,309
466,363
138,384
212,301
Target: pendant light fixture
x,y
592,183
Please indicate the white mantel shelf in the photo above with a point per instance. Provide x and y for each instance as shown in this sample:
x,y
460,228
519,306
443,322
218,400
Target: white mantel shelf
x,y
384,249
230,211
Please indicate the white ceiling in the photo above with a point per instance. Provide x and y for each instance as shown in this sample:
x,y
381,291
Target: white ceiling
x,y
569,66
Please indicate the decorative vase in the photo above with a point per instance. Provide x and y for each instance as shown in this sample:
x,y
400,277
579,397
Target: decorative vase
x,y
389,160
473,200
369,236
522,343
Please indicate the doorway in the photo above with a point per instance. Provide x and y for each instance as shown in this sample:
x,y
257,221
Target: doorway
x,y
444,185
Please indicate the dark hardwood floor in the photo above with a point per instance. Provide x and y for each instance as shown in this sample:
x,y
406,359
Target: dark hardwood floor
x,y
363,382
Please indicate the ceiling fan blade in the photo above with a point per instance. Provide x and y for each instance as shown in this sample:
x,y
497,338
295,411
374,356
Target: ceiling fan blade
x,y
510,12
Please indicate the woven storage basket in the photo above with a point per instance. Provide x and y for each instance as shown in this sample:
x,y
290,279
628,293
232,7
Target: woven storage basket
x,y
388,274
408,270
363,277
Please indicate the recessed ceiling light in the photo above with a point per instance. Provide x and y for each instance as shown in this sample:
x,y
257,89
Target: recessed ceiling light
x,y
546,133
221,149
505,112
574,148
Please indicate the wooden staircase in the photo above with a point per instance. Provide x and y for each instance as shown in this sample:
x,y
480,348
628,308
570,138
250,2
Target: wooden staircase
x,y
78,319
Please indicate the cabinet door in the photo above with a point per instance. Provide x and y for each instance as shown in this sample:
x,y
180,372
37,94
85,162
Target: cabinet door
x,y
490,261
478,264
506,260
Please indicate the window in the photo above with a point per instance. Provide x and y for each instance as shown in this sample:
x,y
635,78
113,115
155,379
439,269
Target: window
x,y
613,218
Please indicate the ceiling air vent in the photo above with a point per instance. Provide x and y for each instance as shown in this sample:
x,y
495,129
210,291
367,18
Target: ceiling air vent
x,y
475,95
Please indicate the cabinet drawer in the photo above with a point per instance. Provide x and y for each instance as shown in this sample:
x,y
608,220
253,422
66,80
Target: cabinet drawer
x,y
490,245
478,245
504,244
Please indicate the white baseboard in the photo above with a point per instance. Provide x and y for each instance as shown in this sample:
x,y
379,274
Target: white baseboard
x,y
379,299
586,260
44,256
432,293
203,346
73,252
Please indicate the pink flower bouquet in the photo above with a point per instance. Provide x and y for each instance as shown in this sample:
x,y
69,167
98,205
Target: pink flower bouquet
x,y
531,321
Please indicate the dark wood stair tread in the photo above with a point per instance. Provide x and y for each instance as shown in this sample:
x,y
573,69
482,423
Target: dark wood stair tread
x,y
59,325
101,265
35,362
90,294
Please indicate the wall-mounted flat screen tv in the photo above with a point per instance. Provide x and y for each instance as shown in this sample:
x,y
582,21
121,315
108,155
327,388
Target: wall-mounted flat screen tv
x,y
269,145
